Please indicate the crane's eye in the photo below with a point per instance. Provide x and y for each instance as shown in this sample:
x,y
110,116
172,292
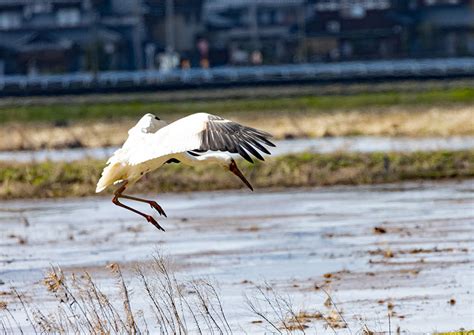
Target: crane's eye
x,y
157,118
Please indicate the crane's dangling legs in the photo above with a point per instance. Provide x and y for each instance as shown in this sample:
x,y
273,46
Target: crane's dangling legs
x,y
153,204
118,194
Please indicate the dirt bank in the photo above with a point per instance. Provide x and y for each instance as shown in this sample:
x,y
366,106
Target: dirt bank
x,y
78,178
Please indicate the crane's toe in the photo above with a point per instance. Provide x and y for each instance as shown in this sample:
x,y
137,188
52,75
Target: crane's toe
x,y
154,204
152,220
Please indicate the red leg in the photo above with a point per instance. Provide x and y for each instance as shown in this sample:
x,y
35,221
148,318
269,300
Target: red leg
x,y
152,203
149,218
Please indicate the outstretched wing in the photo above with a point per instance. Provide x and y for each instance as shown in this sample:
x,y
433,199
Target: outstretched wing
x,y
203,132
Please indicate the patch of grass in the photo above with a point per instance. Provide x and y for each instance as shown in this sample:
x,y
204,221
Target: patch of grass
x,y
66,179
133,109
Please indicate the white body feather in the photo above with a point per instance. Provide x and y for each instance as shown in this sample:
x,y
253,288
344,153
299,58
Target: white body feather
x,y
150,144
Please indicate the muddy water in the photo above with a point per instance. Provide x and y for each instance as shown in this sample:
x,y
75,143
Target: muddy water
x,y
321,145
420,259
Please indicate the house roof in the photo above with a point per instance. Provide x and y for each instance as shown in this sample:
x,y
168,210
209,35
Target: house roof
x,y
449,17
33,41
87,36
54,40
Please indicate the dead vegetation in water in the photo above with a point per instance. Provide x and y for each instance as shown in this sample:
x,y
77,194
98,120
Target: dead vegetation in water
x,y
277,314
156,301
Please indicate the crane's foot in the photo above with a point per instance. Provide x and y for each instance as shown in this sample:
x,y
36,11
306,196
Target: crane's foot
x,y
152,220
154,204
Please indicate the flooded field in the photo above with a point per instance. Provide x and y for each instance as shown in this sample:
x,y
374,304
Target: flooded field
x,y
315,145
402,247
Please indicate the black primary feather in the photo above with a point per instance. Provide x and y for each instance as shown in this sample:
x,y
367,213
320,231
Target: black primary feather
x,y
224,135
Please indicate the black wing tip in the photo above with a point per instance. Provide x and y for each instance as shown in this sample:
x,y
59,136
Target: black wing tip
x,y
241,151
270,144
249,159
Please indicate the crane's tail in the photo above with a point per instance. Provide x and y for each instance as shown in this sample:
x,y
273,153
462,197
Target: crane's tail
x,y
110,175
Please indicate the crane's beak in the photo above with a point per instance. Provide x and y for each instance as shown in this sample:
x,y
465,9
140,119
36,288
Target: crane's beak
x,y
235,170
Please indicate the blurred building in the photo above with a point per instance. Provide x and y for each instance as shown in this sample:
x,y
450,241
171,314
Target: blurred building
x,y
54,36
342,30
173,26
288,31
441,28
245,31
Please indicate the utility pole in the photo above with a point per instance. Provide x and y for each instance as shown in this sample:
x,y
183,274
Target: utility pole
x,y
95,46
254,25
137,34
169,26
301,13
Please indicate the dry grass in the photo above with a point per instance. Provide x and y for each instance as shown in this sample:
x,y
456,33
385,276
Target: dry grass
x,y
173,306
17,136
393,121
277,314
383,121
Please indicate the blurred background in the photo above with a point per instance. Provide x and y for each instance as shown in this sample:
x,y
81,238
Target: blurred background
x,y
366,201
151,37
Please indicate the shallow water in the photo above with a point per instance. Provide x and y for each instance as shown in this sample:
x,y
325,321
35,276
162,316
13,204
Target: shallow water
x,y
318,145
289,238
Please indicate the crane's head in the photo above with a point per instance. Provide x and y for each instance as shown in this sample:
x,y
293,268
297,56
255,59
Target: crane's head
x,y
149,123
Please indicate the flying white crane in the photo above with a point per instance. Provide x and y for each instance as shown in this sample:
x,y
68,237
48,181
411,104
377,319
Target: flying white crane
x,y
192,140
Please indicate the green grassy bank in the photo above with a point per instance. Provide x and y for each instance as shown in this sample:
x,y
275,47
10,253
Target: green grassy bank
x,y
53,179
133,109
